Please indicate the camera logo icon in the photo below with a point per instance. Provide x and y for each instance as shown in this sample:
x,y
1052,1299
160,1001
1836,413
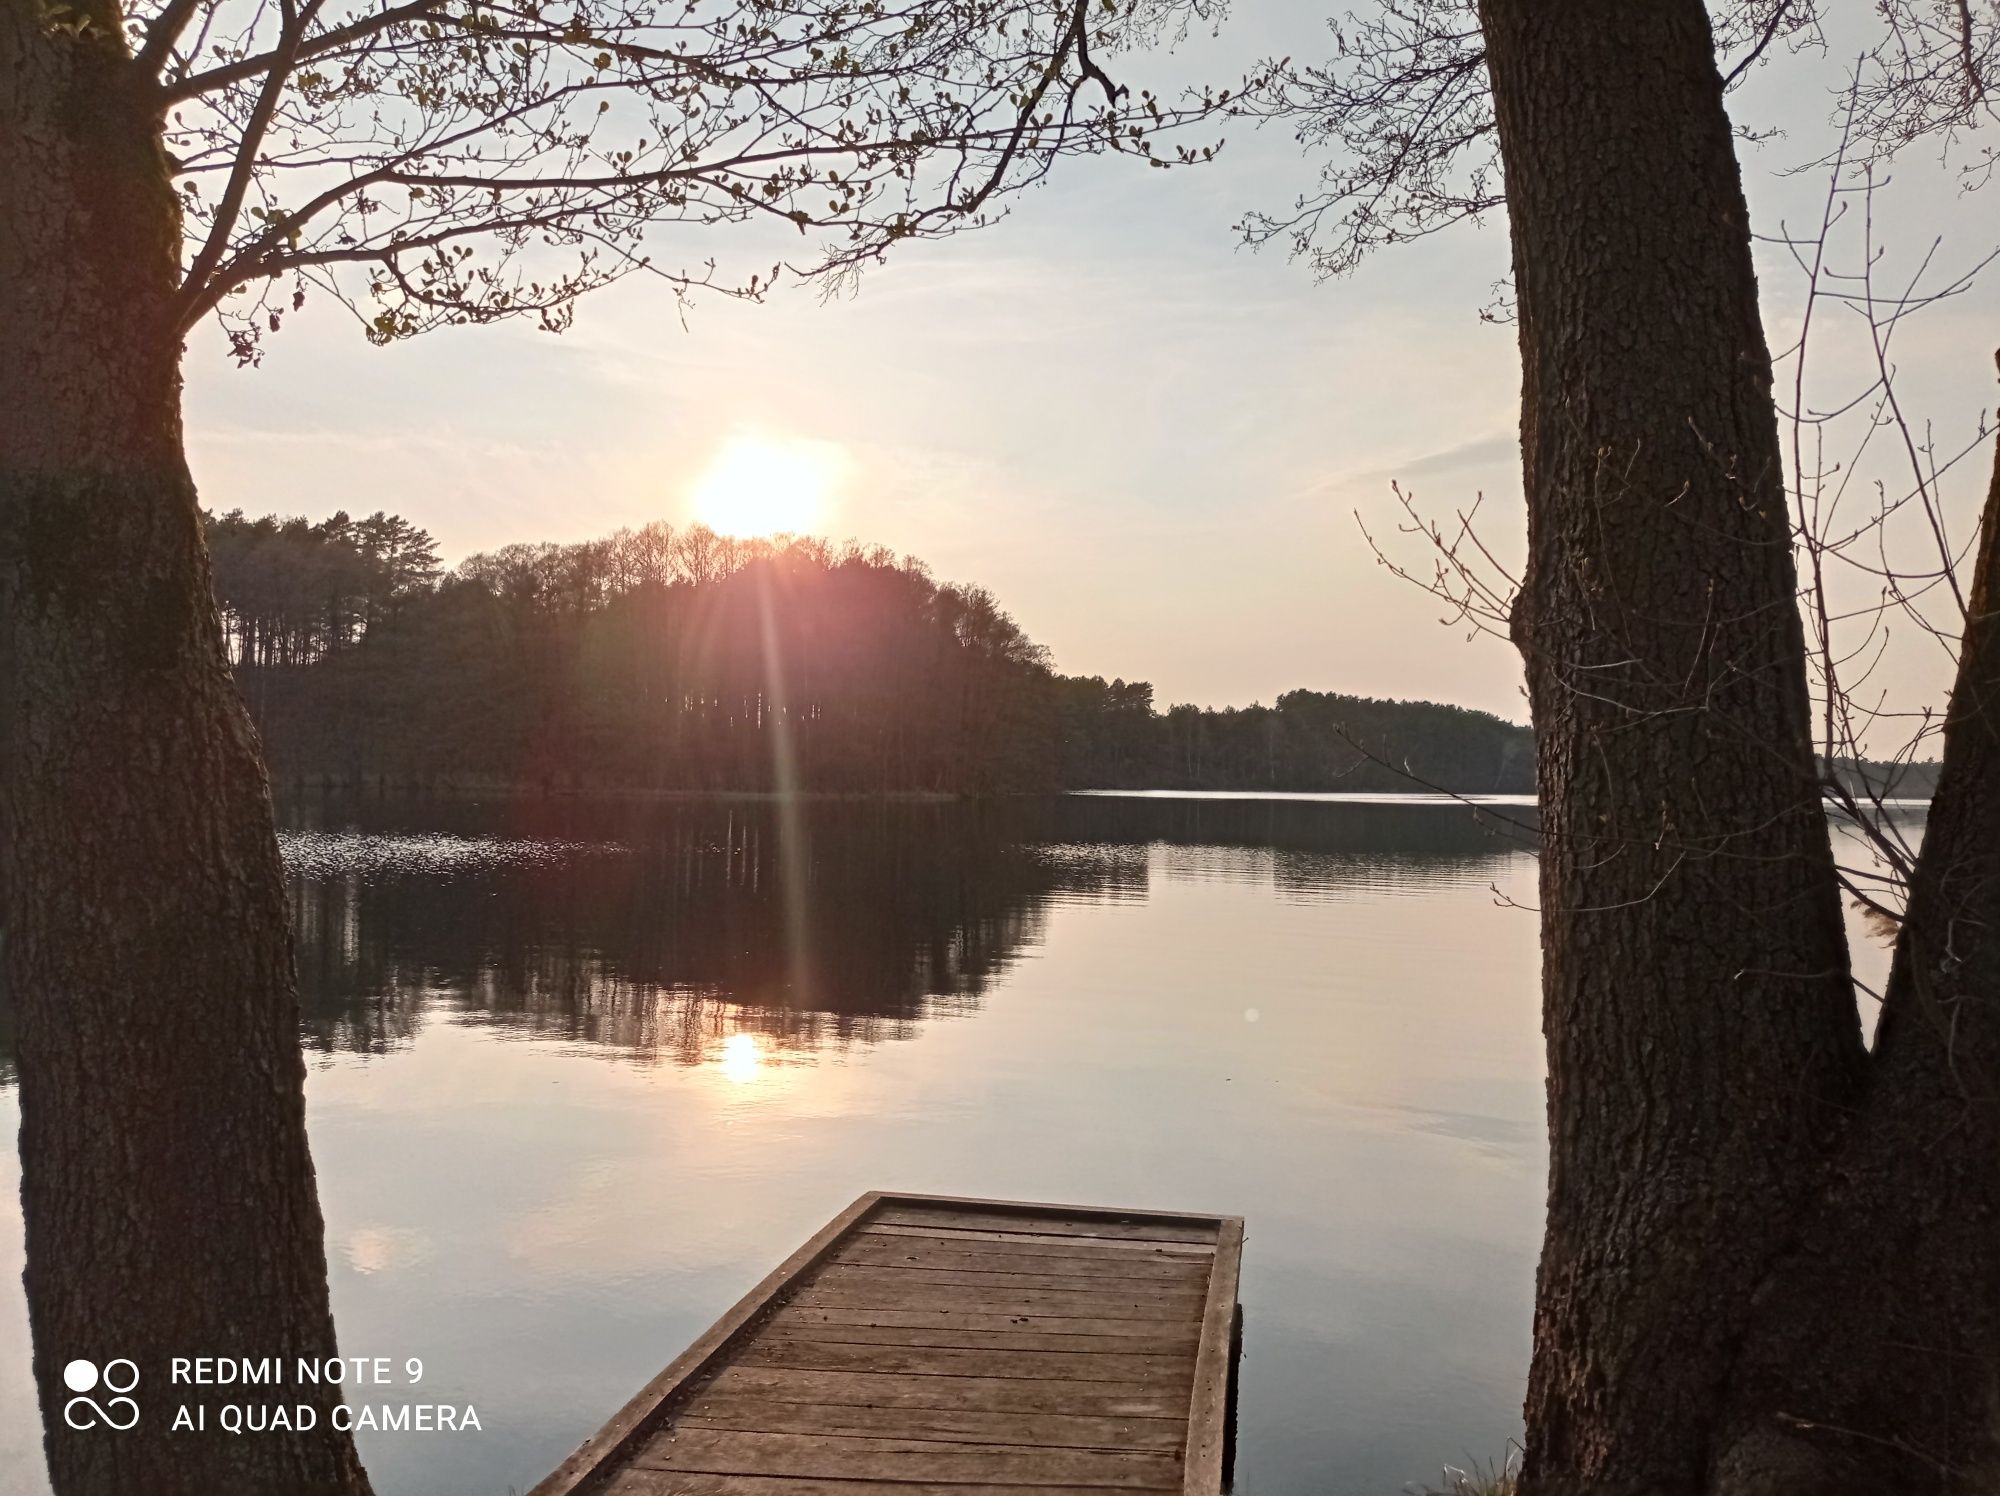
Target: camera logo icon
x,y
118,1377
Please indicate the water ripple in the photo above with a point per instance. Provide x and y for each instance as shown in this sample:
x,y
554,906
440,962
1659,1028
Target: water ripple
x,y
339,854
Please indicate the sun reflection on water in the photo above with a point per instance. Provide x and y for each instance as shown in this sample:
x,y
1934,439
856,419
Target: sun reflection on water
x,y
741,1059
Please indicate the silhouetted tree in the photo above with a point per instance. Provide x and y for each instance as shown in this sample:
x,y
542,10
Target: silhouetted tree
x,y
291,592
686,661
1770,1268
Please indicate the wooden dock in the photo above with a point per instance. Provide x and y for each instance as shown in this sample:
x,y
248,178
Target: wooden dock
x,y
920,1344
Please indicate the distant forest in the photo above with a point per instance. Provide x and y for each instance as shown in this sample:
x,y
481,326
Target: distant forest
x,y
680,659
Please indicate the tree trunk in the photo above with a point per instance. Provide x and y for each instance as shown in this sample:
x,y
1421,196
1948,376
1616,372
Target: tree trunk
x,y
1703,1043
166,1184
1875,1364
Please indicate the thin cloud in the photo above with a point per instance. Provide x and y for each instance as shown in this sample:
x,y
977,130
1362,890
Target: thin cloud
x,y
1487,449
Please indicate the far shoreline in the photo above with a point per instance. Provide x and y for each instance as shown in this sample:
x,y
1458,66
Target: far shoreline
x,y
294,788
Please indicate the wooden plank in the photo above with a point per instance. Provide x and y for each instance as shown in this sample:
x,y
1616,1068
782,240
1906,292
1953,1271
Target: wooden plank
x,y
1192,1286
1056,1430
1114,1228
1044,1207
837,1457
986,1340
1079,1305
965,1393
1181,1331
1026,1241
631,1422
900,1360
1208,1410
894,1285
634,1482
952,1256
818,1324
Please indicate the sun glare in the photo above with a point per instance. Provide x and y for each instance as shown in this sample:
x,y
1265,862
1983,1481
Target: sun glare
x,y
742,1058
761,485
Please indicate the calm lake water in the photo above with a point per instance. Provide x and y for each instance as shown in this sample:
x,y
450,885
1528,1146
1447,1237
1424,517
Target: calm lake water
x,y
580,1074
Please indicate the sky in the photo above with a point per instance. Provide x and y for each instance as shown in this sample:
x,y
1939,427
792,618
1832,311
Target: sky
x,y
1157,448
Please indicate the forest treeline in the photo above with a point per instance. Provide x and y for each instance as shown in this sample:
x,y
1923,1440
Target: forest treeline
x,y
681,659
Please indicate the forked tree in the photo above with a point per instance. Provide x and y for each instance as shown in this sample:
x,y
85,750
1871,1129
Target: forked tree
x,y
1772,1260
419,162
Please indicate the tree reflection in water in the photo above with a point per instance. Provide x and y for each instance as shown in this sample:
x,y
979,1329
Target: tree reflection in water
x,y
660,930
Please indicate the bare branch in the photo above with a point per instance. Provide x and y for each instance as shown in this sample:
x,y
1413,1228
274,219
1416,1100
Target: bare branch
x,y
484,158
162,32
252,140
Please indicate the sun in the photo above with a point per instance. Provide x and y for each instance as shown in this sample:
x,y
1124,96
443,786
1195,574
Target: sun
x,y
762,485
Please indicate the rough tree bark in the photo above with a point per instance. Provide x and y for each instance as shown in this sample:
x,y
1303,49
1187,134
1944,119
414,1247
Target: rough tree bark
x,y
166,1184
1872,1366
1772,1265
1703,1044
